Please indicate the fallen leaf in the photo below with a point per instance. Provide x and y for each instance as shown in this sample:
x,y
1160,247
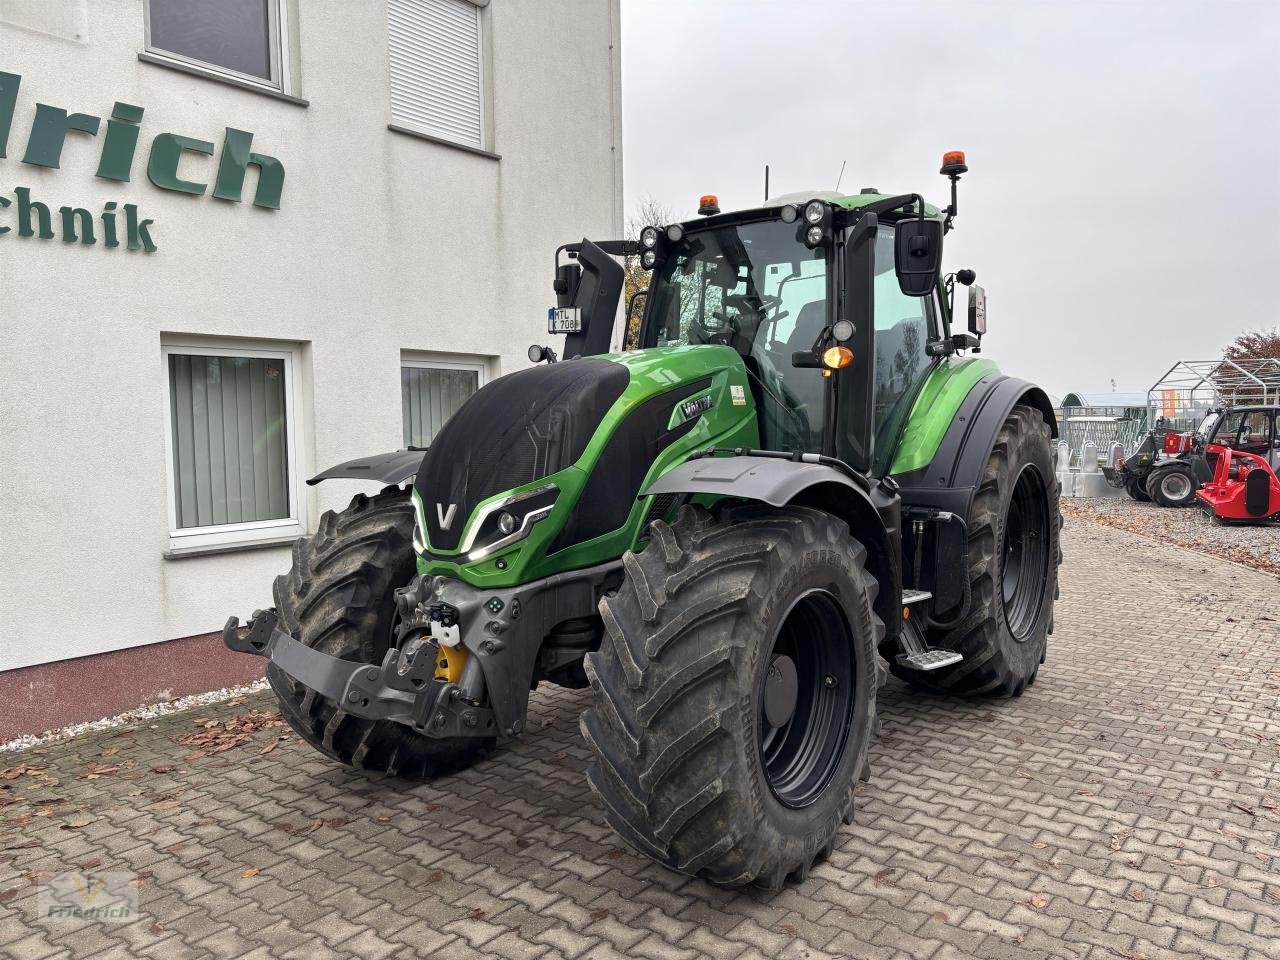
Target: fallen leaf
x,y
384,819
137,884
91,864
251,872
156,929
436,876
1137,894
1118,839
8,895
476,914
598,915
885,878
167,805
941,917
165,768
76,824
1132,955
615,854
1039,846
110,751
1039,901
269,747
786,928
1243,807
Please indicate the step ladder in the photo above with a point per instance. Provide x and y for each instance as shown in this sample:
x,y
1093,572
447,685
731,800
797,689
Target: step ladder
x,y
916,653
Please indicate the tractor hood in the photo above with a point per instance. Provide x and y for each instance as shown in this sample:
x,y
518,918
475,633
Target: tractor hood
x,y
572,442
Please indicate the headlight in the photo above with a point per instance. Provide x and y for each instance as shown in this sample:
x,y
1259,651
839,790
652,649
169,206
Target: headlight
x,y
648,259
675,233
509,520
649,237
814,236
814,211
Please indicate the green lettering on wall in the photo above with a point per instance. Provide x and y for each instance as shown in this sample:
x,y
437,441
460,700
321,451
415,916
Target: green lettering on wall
x,y
4,202
235,161
9,83
109,224
166,151
139,236
49,131
25,209
69,217
121,142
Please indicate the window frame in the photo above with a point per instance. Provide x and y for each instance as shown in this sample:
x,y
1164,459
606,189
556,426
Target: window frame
x,y
430,360
484,69
252,532
278,49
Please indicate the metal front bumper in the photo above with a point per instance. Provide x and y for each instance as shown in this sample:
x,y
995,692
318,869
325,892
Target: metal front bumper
x,y
403,689
502,630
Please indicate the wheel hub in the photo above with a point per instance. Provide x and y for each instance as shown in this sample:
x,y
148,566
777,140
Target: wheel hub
x,y
781,688
1176,485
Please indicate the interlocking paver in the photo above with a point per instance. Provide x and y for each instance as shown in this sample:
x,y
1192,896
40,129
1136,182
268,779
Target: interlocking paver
x,y
1127,805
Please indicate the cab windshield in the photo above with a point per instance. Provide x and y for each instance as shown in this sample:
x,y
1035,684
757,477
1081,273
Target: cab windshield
x,y
757,288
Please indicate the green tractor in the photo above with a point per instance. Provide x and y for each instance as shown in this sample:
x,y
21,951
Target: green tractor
x,y
800,475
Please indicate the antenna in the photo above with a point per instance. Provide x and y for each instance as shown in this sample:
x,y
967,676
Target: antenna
x,y
841,177
766,183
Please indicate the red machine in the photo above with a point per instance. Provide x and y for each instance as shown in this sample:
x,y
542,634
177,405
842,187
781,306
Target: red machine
x,y
1244,487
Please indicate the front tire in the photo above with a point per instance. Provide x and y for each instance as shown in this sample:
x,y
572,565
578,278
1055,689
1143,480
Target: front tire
x,y
339,599
1173,485
1014,554
1137,490
734,692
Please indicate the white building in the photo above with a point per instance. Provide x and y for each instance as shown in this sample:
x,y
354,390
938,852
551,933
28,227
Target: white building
x,y
344,217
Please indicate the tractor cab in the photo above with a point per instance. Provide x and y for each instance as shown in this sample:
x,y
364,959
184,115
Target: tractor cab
x,y
835,305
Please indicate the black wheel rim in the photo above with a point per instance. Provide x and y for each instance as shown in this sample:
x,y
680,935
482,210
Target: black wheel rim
x,y
801,748
1025,554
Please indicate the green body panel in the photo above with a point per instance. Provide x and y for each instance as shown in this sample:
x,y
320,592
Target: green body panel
x,y
859,200
730,422
935,409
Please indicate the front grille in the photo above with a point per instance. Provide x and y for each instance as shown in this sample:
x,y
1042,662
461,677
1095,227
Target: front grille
x,y
518,429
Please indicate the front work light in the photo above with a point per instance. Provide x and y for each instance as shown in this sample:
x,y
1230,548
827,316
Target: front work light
x,y
649,237
675,233
814,236
836,357
648,259
814,211
788,213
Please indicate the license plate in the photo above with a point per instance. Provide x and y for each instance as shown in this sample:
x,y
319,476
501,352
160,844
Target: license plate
x,y
564,320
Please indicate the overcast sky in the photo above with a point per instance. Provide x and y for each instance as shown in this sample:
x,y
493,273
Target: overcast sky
x,y
1122,207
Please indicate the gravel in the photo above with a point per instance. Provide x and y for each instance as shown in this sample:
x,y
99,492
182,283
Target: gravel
x,y
1189,527
131,717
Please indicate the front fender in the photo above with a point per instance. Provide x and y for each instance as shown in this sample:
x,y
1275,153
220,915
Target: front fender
x,y
872,513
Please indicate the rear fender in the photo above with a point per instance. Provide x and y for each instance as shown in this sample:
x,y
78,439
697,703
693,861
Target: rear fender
x,y
396,468
873,515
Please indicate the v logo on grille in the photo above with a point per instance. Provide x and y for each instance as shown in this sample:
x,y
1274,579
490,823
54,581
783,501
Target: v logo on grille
x,y
446,516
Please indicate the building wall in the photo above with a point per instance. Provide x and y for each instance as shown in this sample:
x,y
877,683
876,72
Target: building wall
x,y
384,243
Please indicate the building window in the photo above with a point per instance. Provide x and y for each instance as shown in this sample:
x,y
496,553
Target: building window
x,y
437,69
239,38
231,444
432,389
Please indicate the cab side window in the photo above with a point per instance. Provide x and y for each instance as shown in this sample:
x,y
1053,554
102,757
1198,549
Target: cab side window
x,y
902,333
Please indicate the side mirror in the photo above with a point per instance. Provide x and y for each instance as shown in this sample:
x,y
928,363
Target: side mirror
x,y
977,310
568,276
917,256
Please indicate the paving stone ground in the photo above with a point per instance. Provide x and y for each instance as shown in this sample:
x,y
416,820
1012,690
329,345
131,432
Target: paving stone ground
x,y
1128,805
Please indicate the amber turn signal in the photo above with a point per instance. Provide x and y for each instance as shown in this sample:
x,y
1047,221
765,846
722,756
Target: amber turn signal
x,y
837,357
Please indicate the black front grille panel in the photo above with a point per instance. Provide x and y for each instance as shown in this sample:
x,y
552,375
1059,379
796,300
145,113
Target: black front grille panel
x,y
517,429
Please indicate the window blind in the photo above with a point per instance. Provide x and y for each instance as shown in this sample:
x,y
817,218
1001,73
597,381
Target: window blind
x,y
436,85
430,396
230,444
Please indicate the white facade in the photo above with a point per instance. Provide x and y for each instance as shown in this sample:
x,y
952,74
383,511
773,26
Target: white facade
x,y
387,250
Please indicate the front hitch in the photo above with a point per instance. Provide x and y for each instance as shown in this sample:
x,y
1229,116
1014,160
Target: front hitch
x,y
403,689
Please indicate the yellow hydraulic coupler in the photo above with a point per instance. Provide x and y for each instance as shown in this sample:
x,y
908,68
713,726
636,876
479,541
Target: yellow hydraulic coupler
x,y
449,663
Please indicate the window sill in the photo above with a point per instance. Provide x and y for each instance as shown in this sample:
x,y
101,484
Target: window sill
x,y
235,546
159,61
395,128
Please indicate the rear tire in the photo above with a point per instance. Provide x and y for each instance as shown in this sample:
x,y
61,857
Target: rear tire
x,y
1014,553
713,756
1136,488
1173,485
339,599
